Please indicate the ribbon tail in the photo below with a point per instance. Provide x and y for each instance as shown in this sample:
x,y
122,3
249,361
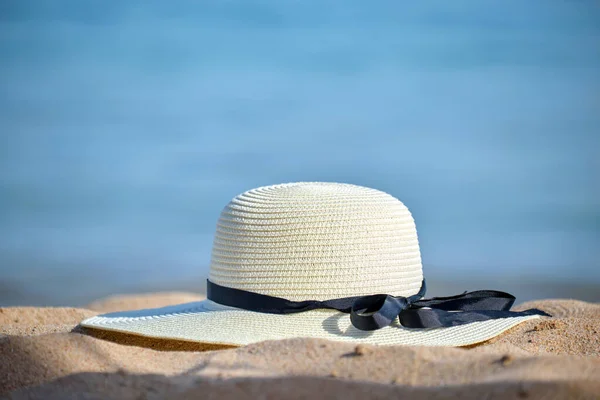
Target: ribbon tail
x,y
470,301
436,318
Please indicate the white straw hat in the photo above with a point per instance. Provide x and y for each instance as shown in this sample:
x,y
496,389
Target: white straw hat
x,y
323,260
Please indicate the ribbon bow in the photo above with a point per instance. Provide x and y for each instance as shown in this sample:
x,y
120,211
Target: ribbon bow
x,y
377,311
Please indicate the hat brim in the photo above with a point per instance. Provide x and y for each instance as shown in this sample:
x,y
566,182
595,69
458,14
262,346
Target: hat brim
x,y
210,322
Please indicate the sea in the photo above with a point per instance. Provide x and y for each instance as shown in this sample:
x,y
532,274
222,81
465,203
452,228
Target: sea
x,y
125,128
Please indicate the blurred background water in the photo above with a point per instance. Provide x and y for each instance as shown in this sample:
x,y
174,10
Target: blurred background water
x,y
127,126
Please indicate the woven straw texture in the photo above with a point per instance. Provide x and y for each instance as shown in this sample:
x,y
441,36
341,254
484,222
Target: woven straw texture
x,y
306,241
317,241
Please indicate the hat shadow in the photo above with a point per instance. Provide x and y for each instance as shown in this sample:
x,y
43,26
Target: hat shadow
x,y
331,325
158,344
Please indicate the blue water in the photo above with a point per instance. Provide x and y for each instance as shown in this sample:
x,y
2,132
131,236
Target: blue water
x,y
125,128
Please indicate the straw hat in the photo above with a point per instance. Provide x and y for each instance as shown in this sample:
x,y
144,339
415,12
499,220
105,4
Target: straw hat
x,y
324,260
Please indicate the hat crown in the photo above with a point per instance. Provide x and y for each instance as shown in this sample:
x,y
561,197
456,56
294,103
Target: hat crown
x,y
316,241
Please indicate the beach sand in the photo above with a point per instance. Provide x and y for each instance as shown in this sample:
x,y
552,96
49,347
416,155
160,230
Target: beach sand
x,y
44,355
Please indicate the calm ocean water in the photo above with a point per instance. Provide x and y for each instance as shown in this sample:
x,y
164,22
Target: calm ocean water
x,y
124,129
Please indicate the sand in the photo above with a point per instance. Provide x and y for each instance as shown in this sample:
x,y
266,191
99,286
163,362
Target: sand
x,y
44,355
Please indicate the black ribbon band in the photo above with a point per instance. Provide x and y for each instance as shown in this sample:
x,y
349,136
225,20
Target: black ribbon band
x,y
376,311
